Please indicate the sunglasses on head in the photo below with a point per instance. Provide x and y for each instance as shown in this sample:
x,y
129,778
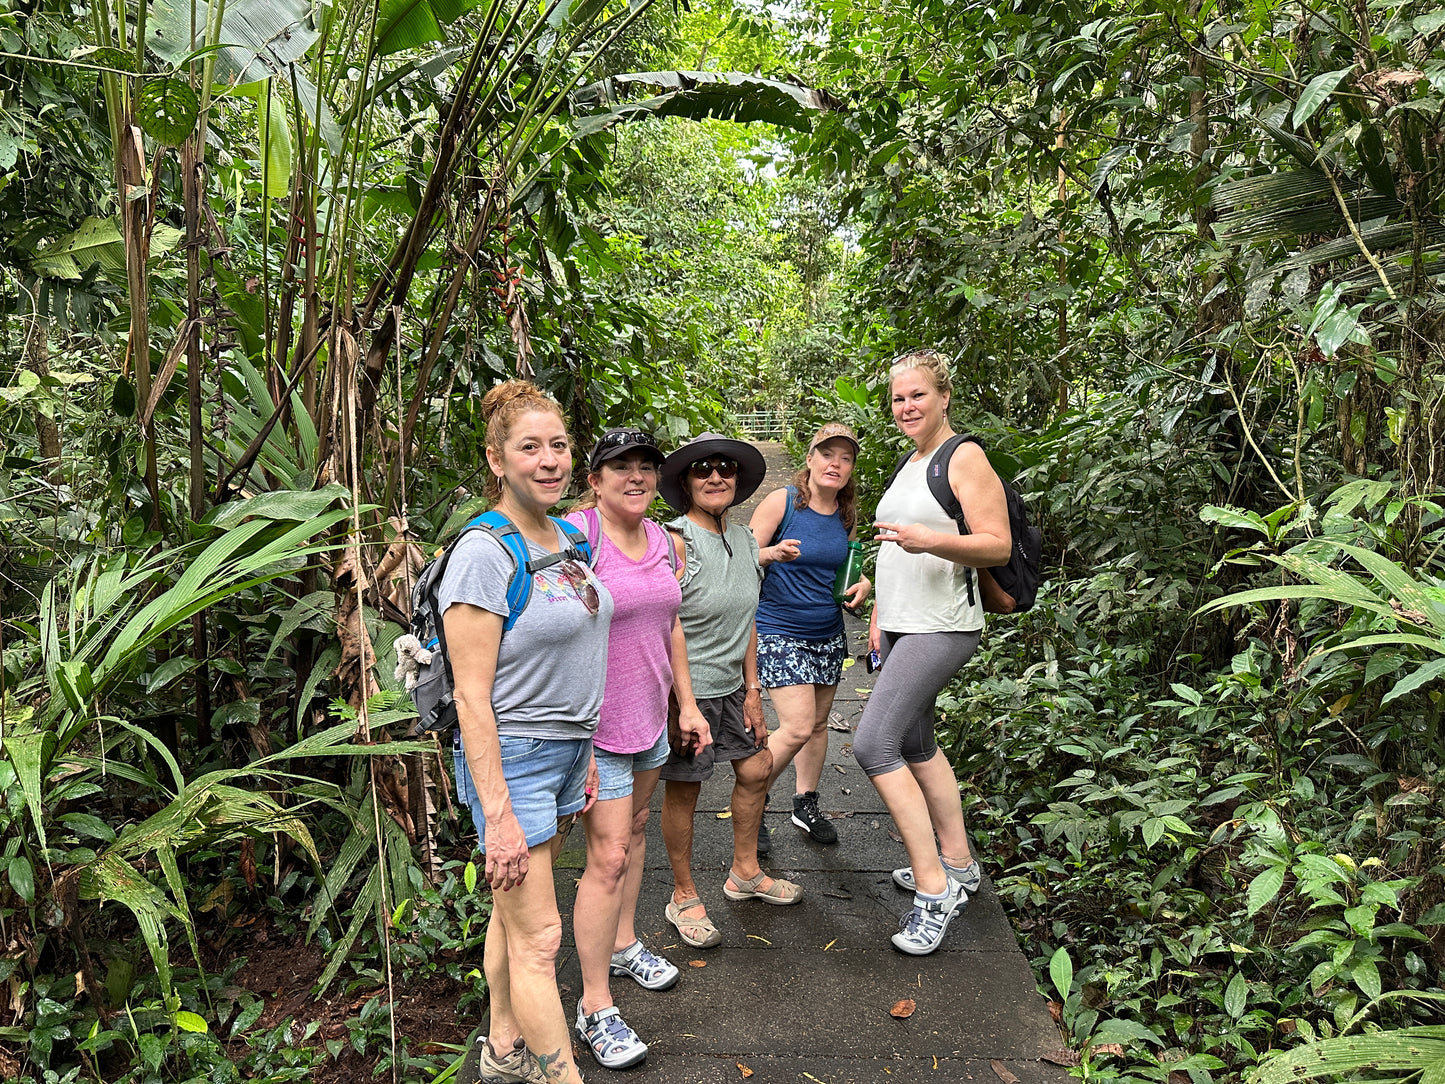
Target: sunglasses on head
x,y
703,468
621,438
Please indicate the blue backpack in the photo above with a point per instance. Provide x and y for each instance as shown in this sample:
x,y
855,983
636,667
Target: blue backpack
x,y
432,695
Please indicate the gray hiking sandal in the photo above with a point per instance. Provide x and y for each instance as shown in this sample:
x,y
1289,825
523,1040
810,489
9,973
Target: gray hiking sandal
x,y
612,1042
650,970
921,931
970,876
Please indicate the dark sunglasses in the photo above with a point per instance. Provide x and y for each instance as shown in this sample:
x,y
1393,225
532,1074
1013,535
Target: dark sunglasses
x,y
621,438
577,579
703,468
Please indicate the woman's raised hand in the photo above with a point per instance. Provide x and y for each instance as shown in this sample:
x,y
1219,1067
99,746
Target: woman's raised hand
x,y
910,537
786,550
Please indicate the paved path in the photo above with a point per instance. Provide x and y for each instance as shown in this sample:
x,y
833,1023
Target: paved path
x,y
803,993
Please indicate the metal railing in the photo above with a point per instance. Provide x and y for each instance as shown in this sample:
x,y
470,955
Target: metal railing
x,y
764,424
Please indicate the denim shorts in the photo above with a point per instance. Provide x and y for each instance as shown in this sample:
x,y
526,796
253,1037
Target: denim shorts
x,y
615,770
545,780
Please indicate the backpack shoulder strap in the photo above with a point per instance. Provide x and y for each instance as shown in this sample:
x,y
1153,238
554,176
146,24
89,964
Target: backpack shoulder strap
x,y
519,587
575,539
788,510
593,519
938,479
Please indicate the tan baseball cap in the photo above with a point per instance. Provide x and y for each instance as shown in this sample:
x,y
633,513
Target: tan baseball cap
x,y
831,431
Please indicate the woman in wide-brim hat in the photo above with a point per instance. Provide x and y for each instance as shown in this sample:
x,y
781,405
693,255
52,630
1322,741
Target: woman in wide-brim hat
x,y
704,479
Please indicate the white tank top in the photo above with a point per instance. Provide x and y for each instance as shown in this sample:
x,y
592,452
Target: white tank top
x,y
918,592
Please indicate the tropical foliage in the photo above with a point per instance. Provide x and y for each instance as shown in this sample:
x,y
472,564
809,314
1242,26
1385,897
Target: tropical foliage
x,y
259,259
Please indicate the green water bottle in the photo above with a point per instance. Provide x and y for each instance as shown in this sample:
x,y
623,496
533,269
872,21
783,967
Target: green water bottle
x,y
850,572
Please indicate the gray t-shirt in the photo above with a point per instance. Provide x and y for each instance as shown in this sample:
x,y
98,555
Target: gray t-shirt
x,y
553,662
719,602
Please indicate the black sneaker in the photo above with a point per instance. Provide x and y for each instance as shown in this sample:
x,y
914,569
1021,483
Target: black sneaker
x,y
810,819
765,837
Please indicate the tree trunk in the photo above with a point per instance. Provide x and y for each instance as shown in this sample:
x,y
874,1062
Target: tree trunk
x,y
37,353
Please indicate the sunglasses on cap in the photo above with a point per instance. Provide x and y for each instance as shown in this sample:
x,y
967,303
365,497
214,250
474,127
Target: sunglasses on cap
x,y
622,438
703,468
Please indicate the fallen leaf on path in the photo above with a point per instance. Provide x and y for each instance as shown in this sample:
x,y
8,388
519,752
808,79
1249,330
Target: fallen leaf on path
x,y
1002,1073
902,1010
1067,1058
839,895
837,722
1056,1010
840,769
725,814
849,661
697,963
847,790
744,1070
755,937
1109,1048
830,944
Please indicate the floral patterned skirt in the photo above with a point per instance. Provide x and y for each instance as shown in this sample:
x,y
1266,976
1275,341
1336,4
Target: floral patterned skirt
x,y
786,660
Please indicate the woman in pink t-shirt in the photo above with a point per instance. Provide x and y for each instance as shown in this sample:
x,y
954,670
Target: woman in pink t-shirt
x,y
646,656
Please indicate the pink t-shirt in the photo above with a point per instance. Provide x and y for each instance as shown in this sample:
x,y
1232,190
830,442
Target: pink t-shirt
x,y
639,647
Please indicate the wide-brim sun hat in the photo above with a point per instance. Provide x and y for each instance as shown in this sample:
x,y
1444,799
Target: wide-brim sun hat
x,y
619,442
751,468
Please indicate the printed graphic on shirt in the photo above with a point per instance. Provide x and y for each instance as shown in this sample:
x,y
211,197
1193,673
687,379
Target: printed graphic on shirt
x,y
546,590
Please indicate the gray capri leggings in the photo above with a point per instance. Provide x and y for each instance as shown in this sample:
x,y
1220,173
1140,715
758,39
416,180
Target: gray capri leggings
x,y
897,723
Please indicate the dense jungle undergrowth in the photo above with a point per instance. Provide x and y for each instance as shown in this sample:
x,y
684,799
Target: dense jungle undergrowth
x,y
258,260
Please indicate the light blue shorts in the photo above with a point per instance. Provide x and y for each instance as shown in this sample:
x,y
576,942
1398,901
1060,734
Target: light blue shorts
x,y
616,769
545,780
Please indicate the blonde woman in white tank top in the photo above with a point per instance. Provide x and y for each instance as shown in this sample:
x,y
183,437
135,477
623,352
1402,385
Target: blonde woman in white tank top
x,y
925,628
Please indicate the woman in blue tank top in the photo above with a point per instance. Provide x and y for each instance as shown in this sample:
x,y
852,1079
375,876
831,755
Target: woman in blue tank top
x,y
801,645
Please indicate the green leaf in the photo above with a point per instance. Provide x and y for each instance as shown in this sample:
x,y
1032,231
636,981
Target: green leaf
x,y
26,753
1153,831
166,110
273,131
86,824
735,96
281,504
1264,887
169,670
1122,1031
192,1022
22,878
1367,978
1230,517
1061,971
122,397
469,877
1316,93
1236,995
1408,684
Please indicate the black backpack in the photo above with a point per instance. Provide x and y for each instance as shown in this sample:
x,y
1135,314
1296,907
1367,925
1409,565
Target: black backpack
x,y
432,694
1017,582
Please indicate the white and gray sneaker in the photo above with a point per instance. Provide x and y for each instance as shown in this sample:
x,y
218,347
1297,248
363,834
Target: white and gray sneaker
x,y
970,876
612,1042
651,971
921,930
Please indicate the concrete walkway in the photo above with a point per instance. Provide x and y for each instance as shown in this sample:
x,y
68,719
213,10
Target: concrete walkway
x,y
803,993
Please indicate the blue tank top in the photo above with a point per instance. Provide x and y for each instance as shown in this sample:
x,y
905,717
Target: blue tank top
x,y
797,595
